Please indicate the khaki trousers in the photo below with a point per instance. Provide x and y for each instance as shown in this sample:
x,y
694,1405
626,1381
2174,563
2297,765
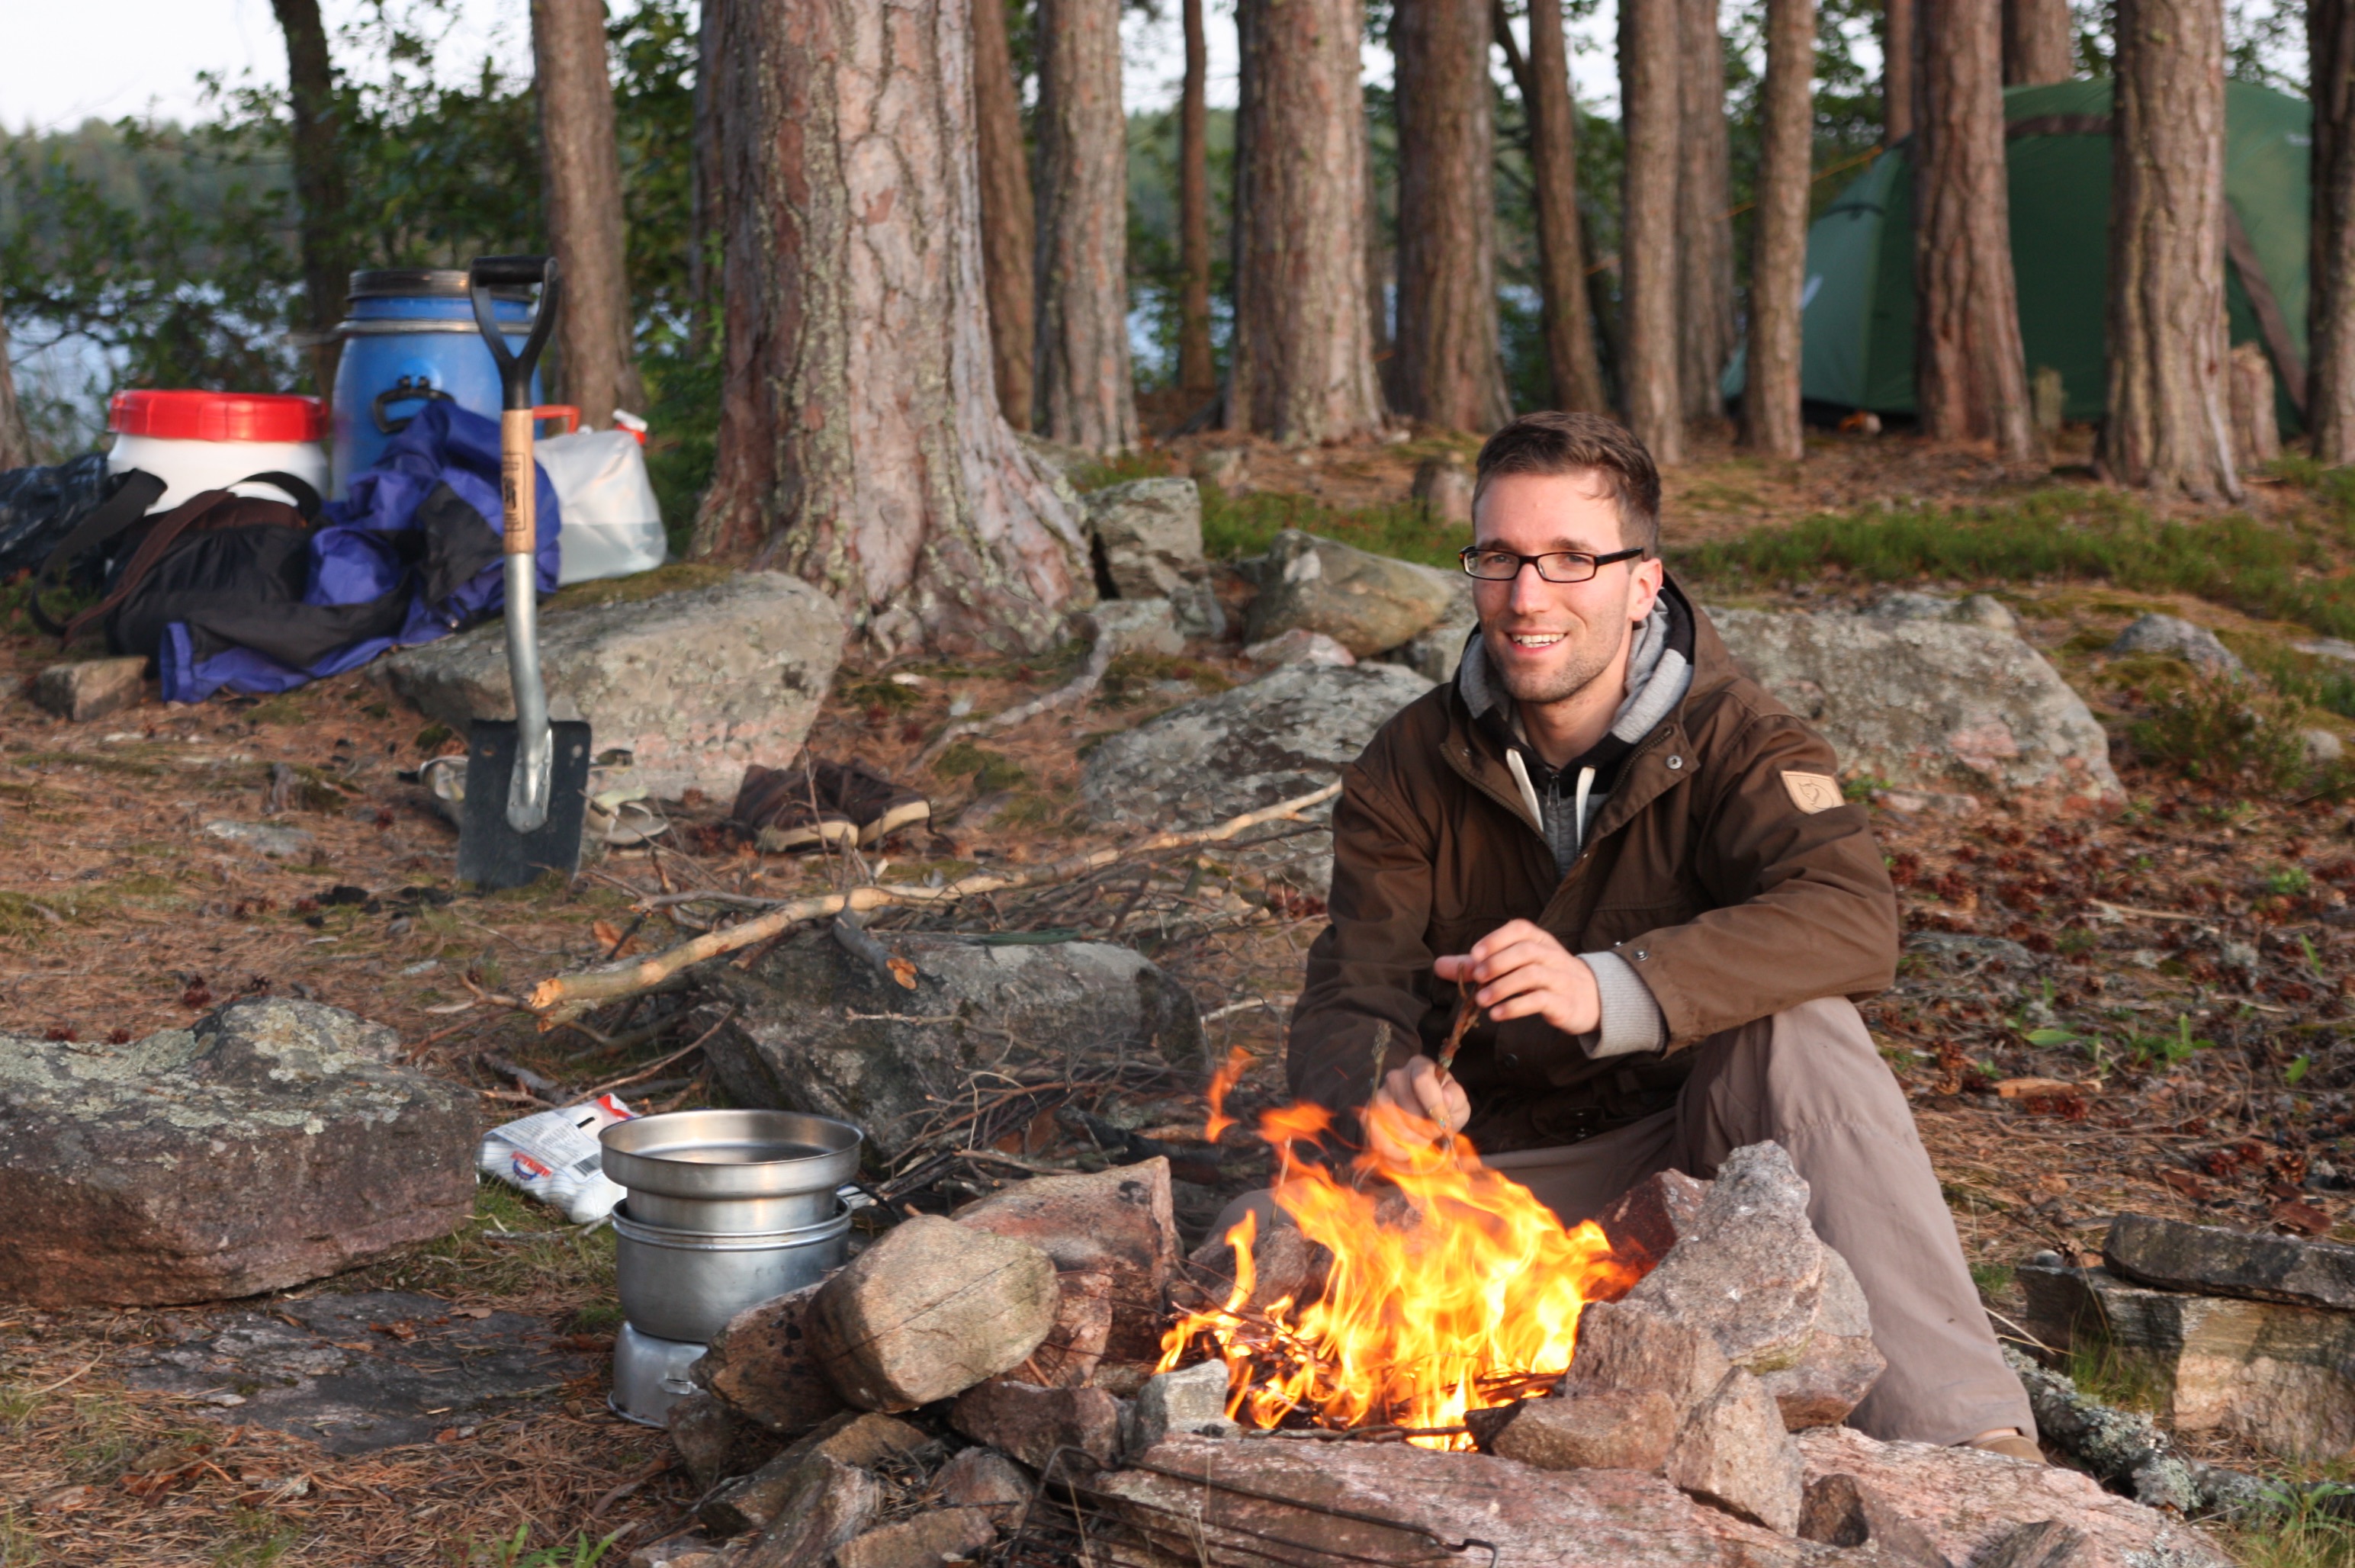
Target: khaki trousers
x,y
1811,1080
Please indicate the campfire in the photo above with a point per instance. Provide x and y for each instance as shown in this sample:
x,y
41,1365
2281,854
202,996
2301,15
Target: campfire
x,y
1450,1289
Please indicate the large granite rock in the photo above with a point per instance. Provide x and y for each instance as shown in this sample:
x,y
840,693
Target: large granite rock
x,y
1281,736
1365,601
1935,703
1968,1502
2231,1262
275,1142
2282,1377
1115,1230
1742,1262
1226,1504
693,685
819,1030
1147,536
2171,637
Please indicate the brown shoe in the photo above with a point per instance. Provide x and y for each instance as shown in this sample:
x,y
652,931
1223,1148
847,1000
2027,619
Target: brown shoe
x,y
2011,1443
878,805
784,809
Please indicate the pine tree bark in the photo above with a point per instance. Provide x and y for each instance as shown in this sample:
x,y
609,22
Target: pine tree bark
x,y
1650,97
1770,398
705,223
321,193
1970,376
860,444
2039,43
1900,62
1449,369
1553,170
1704,233
1198,373
2167,427
596,357
2330,310
1303,364
1008,244
1084,395
16,440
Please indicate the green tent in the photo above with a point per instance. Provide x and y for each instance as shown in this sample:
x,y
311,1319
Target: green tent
x,y
1858,310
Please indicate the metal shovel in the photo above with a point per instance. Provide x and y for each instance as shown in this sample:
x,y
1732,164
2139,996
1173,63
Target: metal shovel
x,y
527,782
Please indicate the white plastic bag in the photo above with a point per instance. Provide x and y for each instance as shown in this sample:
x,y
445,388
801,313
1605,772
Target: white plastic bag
x,y
611,524
554,1156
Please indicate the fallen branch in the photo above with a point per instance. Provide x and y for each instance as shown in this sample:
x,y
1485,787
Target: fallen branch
x,y
1077,691
563,998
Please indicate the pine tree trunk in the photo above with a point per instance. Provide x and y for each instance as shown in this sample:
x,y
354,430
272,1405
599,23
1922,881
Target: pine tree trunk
x,y
860,444
1970,377
16,440
1008,242
320,192
1900,61
1562,253
705,222
1650,99
1770,398
1303,367
1450,372
2039,43
1704,234
1085,396
2330,316
2166,428
596,360
1198,373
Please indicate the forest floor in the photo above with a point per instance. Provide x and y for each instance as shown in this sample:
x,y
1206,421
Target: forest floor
x,y
2186,983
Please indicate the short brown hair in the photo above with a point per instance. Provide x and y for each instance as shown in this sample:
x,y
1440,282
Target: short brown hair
x,y
1554,442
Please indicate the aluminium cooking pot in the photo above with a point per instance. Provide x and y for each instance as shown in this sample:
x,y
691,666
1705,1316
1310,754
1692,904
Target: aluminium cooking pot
x,y
731,1172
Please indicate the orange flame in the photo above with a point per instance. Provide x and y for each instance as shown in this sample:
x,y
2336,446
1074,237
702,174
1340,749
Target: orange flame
x,y
1450,1290
1221,1081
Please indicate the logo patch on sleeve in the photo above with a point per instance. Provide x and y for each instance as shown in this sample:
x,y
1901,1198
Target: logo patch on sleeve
x,y
1811,792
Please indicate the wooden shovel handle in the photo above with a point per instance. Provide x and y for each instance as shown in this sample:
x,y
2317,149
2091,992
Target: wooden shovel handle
x,y
518,491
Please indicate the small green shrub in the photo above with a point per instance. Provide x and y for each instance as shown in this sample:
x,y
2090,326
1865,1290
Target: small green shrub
x,y
2225,731
990,771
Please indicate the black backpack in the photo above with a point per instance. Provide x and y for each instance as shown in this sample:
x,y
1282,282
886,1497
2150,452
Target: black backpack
x,y
233,568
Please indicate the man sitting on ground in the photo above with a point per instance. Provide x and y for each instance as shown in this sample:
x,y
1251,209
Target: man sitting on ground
x,y
1643,868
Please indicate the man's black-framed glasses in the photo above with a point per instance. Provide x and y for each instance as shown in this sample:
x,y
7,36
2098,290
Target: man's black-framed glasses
x,y
1554,566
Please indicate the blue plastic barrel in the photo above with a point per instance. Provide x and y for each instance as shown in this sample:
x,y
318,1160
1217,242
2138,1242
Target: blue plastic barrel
x,y
409,336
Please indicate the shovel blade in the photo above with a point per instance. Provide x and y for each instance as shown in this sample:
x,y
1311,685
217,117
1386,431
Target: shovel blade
x,y
491,854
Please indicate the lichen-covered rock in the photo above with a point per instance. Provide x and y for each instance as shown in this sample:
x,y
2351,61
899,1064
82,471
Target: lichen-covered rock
x,y
819,1030
2174,637
2281,1376
1279,737
277,1141
928,1310
1733,1453
1147,539
2222,1262
1115,1226
693,684
1932,703
760,1366
1968,1502
1750,1271
1221,1504
1365,601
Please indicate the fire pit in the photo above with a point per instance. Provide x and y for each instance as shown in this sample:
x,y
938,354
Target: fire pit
x,y
1453,1291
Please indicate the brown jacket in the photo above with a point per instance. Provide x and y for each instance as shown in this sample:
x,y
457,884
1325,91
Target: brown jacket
x,y
1703,869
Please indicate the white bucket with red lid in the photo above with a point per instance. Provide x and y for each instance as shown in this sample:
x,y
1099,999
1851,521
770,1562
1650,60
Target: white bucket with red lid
x,y
209,441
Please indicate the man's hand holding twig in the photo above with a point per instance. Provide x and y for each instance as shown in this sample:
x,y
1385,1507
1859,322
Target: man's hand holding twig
x,y
1412,1106
1523,972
